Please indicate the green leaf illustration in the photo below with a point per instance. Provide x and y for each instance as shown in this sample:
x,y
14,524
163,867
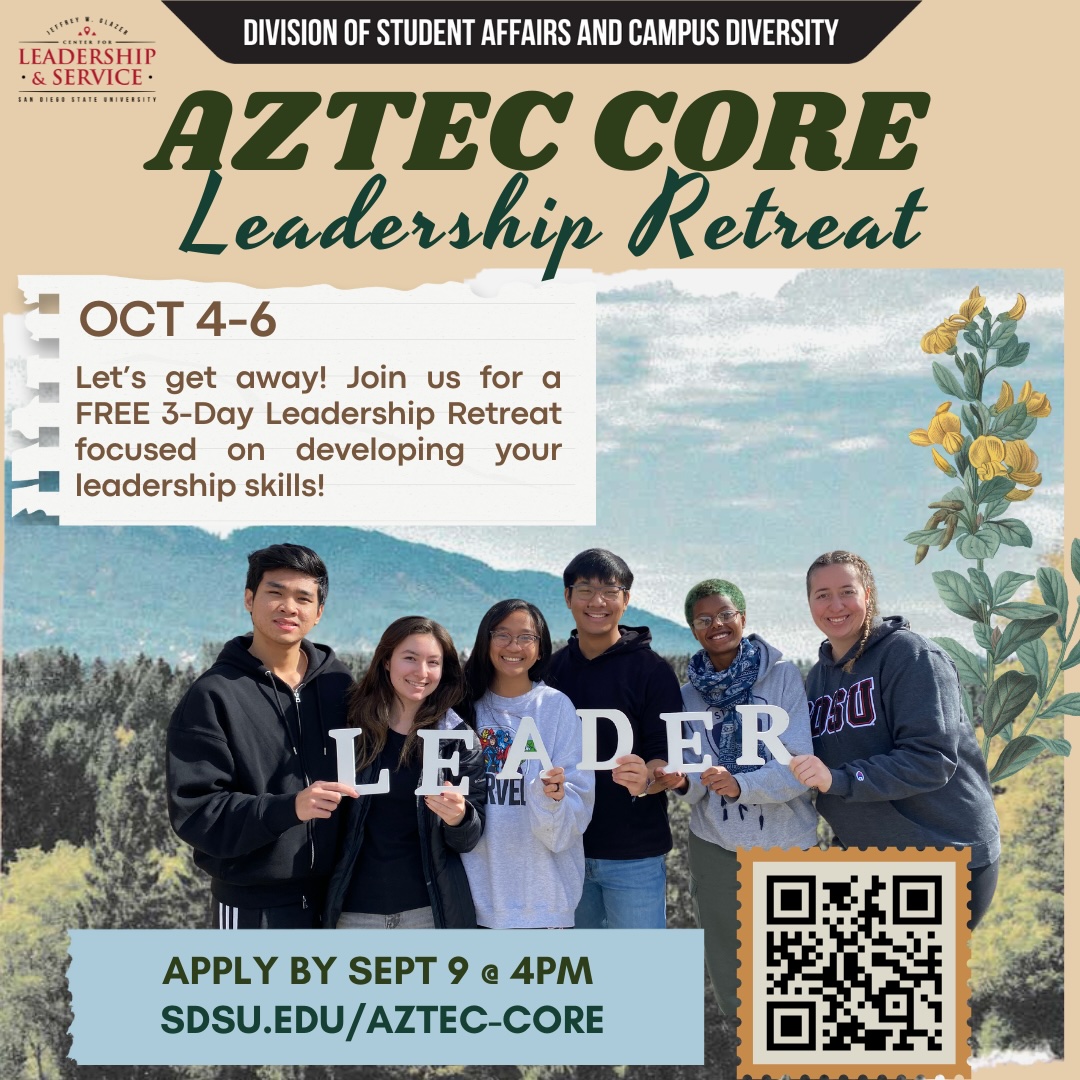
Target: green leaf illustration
x,y
1073,658
946,381
1011,531
983,638
1036,660
968,666
1019,631
980,582
1074,559
1067,703
1006,699
1055,593
1061,747
995,488
1014,422
957,595
1012,357
924,536
972,378
1020,609
1007,584
1002,332
1015,755
980,545
996,507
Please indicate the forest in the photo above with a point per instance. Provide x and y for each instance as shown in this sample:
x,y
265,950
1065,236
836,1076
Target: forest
x,y
87,844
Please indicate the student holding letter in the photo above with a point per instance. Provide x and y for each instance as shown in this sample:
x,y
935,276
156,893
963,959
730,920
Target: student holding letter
x,y
250,768
736,803
528,868
399,864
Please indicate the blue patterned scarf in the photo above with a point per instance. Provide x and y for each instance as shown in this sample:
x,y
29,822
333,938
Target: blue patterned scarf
x,y
722,691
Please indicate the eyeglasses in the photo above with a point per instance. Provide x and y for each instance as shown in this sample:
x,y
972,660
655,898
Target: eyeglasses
x,y
703,622
611,593
502,639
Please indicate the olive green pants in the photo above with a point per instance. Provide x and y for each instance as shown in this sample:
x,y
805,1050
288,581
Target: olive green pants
x,y
714,893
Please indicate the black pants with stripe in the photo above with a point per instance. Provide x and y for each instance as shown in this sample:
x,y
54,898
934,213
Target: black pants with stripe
x,y
299,916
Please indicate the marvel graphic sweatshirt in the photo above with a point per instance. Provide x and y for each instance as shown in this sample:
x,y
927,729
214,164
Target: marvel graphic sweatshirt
x,y
906,768
528,869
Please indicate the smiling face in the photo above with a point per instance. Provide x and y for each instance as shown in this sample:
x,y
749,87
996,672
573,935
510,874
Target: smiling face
x,y
511,661
284,609
596,614
838,604
415,668
721,639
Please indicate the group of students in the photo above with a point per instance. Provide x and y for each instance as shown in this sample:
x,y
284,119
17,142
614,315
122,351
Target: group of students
x,y
877,741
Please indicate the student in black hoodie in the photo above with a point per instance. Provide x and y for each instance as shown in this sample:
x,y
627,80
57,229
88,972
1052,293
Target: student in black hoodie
x,y
249,770
609,666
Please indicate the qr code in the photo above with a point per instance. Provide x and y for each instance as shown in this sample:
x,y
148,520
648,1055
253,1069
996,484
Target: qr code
x,y
853,962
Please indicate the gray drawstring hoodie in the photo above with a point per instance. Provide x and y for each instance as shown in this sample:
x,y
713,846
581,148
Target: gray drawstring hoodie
x,y
773,808
906,768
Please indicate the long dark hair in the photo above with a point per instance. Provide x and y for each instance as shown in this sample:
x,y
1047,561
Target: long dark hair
x,y
371,700
866,579
479,673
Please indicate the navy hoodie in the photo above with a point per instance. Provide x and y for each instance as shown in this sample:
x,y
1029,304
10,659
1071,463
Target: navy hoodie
x,y
632,678
906,767
241,745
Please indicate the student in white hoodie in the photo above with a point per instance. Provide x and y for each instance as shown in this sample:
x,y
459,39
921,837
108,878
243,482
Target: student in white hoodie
x,y
528,869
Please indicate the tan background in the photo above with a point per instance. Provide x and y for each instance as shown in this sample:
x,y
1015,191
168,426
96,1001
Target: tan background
x,y
992,158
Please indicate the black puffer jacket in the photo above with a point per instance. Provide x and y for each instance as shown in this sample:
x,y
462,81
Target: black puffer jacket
x,y
440,844
241,745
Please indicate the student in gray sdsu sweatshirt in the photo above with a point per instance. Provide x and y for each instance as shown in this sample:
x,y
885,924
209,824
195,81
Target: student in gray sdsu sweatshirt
x,y
895,759
736,806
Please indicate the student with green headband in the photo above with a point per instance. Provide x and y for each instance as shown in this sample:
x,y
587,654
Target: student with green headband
x,y
736,806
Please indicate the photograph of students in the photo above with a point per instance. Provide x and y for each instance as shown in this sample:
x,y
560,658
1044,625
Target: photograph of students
x,y
736,806
528,868
609,666
250,769
399,861
895,760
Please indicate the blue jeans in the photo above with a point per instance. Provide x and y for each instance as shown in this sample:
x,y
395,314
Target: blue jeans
x,y
623,894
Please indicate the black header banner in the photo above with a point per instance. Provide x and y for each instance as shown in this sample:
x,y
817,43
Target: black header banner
x,y
589,32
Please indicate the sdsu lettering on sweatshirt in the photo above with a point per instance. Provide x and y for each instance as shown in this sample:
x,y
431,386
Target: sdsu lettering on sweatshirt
x,y
906,767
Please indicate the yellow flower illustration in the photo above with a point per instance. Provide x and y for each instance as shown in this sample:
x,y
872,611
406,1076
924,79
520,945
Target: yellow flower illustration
x,y
1022,462
1016,312
943,464
943,336
986,454
1038,404
972,305
944,430
1005,398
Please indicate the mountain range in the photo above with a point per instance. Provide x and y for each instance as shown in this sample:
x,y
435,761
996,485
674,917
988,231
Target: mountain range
x,y
166,591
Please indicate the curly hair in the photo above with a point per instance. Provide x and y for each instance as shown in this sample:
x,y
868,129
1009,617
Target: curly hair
x,y
866,579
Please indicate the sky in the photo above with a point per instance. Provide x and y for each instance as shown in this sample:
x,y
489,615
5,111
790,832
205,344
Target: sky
x,y
748,420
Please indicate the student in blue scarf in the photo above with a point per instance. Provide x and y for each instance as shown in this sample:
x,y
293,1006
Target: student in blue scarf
x,y
736,806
